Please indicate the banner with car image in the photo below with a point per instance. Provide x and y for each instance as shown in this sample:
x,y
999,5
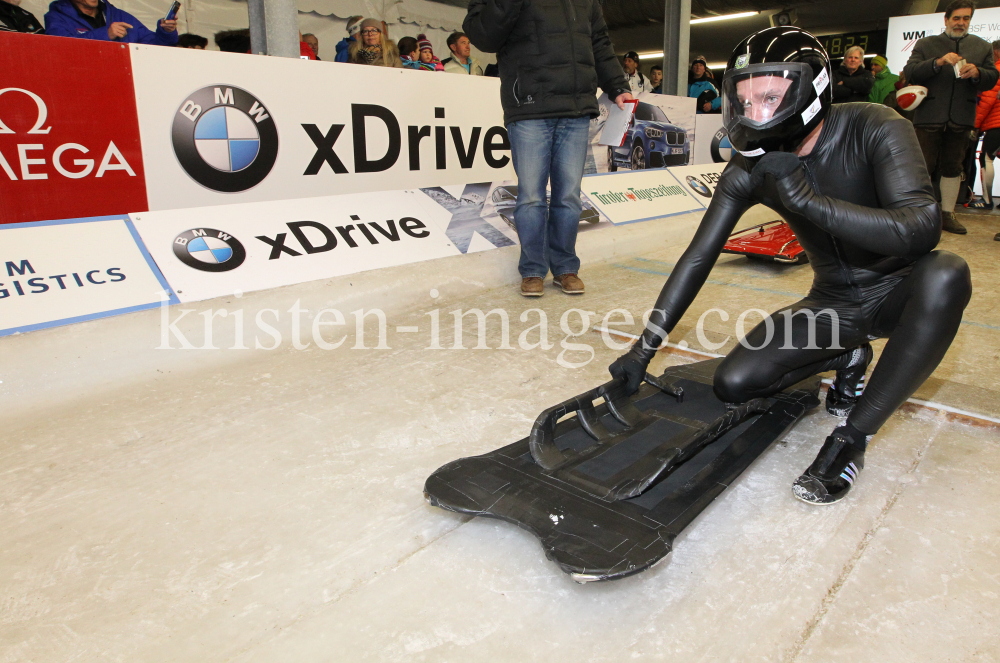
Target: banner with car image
x,y
662,134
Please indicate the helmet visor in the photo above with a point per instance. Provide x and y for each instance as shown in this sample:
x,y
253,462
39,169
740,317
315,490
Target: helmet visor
x,y
766,95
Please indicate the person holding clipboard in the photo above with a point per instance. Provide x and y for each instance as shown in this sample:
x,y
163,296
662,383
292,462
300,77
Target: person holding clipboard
x,y
551,58
100,20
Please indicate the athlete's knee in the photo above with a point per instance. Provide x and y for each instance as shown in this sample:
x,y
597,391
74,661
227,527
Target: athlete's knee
x,y
734,383
947,280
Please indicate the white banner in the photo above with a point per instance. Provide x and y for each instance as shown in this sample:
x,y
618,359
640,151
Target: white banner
x,y
905,31
59,272
639,196
236,128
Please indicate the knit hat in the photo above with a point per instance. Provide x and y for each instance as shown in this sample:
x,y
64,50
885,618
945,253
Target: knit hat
x,y
701,59
423,42
371,23
880,61
632,55
355,27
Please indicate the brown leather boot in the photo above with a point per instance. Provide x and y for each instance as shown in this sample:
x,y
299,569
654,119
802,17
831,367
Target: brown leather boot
x,y
950,224
532,286
569,283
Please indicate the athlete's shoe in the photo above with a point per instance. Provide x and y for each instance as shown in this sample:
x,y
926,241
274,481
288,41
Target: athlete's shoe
x,y
846,389
832,474
980,203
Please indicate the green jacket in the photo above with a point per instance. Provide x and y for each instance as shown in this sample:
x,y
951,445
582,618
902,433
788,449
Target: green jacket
x,y
885,83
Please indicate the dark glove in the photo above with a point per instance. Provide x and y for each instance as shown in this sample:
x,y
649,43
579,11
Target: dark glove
x,y
632,365
790,180
778,165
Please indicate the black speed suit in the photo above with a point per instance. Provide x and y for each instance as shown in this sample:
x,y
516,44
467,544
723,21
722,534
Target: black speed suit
x,y
864,211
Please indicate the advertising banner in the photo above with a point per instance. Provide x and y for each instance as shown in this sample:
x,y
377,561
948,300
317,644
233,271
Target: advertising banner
x,y
59,272
700,179
232,129
661,135
713,144
905,31
639,196
69,136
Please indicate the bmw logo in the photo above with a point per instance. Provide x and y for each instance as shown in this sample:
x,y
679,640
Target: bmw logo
x,y
722,149
209,250
225,138
698,186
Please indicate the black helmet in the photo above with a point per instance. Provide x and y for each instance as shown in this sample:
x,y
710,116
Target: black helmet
x,y
791,97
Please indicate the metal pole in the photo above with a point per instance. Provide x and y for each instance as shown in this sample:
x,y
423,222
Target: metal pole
x,y
676,45
258,33
274,27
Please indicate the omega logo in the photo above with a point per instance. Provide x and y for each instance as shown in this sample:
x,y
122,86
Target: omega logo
x,y
84,166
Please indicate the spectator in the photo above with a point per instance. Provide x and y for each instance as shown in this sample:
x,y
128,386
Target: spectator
x,y
427,59
190,40
100,20
636,81
374,49
702,88
409,53
851,81
550,62
656,79
944,119
305,50
353,27
461,60
885,80
313,42
15,19
988,122
233,41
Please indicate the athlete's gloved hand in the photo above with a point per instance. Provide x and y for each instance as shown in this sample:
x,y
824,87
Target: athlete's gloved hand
x,y
632,365
779,165
790,179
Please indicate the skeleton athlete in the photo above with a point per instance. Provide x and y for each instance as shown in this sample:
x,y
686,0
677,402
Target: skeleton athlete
x,y
851,182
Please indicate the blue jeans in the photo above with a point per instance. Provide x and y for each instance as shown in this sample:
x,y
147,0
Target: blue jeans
x,y
541,149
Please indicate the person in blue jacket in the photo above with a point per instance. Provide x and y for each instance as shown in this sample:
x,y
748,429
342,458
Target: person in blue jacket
x,y
702,87
353,28
100,20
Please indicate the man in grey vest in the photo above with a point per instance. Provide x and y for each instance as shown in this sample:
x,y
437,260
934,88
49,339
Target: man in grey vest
x,y
954,66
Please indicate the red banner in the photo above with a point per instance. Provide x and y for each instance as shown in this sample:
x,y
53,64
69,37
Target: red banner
x,y
69,133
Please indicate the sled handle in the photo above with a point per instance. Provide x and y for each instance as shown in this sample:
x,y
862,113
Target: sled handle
x,y
541,440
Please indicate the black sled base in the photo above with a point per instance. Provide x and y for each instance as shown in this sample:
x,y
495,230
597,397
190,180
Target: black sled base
x,y
608,489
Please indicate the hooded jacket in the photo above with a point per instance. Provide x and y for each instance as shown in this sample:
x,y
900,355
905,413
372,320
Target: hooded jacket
x,y
988,110
342,46
698,87
551,55
949,99
885,83
63,20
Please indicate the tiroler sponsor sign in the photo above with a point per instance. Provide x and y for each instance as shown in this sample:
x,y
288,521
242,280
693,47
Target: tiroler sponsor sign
x,y
639,195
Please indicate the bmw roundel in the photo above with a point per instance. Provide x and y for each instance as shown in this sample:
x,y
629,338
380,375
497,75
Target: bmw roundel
x,y
225,138
722,149
209,250
698,186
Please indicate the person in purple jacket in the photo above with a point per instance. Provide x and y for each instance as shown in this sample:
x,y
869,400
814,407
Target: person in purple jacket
x,y
98,19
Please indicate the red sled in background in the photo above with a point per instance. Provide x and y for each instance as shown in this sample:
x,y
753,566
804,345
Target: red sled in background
x,y
773,240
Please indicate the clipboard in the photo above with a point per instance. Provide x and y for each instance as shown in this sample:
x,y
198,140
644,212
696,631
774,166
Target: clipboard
x,y
617,124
